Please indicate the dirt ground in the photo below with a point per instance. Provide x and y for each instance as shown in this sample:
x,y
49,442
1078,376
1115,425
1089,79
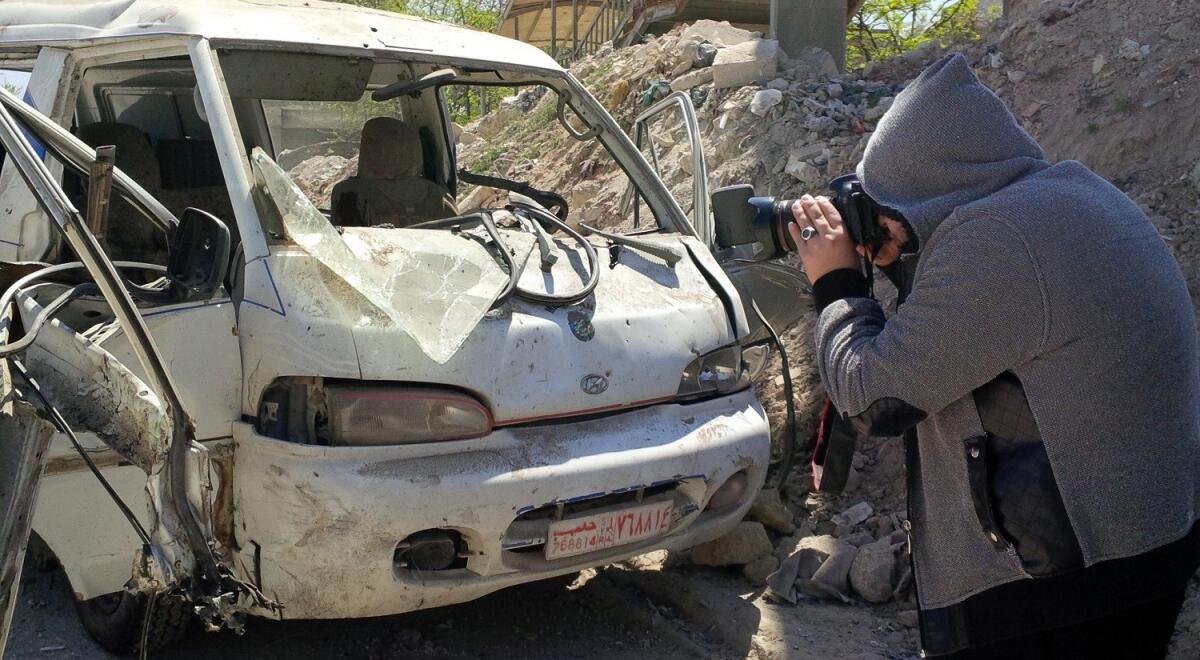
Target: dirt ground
x,y
638,609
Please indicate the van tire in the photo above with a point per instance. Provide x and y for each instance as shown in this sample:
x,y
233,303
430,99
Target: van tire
x,y
115,621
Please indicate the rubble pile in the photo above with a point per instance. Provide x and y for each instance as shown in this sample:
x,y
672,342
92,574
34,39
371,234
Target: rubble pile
x,y
1091,79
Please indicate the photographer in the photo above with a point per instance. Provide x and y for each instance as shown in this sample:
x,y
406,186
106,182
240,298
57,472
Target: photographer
x,y
1043,370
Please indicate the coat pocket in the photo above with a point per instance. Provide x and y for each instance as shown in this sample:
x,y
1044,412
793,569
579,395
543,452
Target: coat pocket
x,y
1013,484
976,449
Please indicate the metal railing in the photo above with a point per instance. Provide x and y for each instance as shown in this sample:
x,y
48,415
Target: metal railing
x,y
607,23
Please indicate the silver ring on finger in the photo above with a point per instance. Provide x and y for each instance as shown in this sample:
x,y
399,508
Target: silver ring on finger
x,y
807,233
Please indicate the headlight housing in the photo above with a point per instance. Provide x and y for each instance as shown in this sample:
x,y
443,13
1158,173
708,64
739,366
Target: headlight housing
x,y
719,372
347,413
364,415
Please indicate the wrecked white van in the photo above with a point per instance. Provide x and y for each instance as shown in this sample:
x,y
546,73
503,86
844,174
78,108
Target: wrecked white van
x,y
362,397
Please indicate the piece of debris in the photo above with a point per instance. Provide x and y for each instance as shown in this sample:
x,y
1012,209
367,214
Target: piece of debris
x,y
747,542
820,567
692,79
764,100
1132,50
855,515
743,64
769,509
720,33
758,570
873,573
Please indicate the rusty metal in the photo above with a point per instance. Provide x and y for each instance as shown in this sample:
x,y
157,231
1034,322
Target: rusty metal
x,y
22,455
100,192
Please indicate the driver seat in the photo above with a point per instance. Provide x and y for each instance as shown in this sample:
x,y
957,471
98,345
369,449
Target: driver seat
x,y
391,186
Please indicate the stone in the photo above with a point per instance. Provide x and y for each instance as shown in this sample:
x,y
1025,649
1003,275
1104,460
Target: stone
x,y
808,151
1098,63
834,90
758,570
719,33
872,575
681,68
692,79
769,509
778,83
855,515
1016,76
803,171
741,65
1131,50
705,54
1179,31
875,112
907,618
1195,176
818,61
747,542
467,138
821,124
996,59
764,100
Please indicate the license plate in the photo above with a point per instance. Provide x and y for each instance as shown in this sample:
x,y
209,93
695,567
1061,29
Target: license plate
x,y
577,536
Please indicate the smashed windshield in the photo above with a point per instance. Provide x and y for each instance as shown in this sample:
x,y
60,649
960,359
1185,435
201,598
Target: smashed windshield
x,y
397,162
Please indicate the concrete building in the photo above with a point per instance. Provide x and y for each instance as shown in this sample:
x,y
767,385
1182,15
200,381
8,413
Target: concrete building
x,y
574,28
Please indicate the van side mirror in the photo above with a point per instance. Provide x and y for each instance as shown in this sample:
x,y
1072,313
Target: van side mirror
x,y
734,230
198,256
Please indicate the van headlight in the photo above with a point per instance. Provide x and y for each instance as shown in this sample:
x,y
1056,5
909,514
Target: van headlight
x,y
719,372
366,415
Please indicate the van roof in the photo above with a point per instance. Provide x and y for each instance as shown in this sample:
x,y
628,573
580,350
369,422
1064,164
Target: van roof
x,y
46,22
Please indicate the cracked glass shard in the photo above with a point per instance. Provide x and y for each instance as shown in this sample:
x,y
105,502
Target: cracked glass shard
x,y
433,284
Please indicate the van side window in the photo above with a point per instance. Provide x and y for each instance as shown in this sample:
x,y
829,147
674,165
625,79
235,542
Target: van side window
x,y
149,110
15,82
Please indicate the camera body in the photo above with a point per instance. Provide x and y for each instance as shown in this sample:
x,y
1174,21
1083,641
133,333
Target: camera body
x,y
859,213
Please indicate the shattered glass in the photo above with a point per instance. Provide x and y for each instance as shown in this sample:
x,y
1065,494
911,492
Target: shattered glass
x,y
435,285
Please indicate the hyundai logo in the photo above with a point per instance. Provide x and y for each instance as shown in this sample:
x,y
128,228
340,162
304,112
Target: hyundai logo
x,y
593,384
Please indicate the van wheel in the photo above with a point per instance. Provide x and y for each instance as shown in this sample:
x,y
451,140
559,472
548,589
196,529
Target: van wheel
x,y
115,621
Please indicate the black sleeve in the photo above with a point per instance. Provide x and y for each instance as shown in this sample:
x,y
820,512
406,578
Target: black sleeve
x,y
838,284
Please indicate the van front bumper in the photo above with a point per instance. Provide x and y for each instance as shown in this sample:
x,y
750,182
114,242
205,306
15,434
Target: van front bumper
x,y
317,527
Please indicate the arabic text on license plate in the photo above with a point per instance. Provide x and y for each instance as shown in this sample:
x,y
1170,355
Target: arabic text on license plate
x,y
577,536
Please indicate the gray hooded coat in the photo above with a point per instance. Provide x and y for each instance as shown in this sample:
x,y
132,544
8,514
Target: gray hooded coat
x,y
1046,273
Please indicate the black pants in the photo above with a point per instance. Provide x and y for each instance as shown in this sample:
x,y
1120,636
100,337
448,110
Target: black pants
x,y
1139,633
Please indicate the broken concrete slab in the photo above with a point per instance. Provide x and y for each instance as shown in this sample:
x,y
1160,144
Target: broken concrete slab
x,y
720,33
692,79
745,63
747,542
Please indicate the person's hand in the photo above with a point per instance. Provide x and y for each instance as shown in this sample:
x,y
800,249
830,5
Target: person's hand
x,y
831,248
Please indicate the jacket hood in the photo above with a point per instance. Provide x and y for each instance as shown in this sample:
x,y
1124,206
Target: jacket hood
x,y
947,141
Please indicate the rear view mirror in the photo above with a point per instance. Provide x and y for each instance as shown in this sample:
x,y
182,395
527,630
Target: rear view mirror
x,y
734,229
198,256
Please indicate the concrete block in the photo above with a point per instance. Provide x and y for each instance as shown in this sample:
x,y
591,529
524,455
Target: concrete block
x,y
692,79
719,33
743,64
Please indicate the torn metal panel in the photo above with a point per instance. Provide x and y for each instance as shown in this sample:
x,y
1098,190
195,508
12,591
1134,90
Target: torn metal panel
x,y
24,439
96,392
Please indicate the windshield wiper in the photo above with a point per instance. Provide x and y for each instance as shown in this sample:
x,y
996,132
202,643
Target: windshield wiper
x,y
414,87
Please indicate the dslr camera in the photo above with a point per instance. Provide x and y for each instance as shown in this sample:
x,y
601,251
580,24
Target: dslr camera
x,y
745,219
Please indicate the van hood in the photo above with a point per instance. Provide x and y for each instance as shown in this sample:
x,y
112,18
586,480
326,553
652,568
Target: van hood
x,y
416,305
